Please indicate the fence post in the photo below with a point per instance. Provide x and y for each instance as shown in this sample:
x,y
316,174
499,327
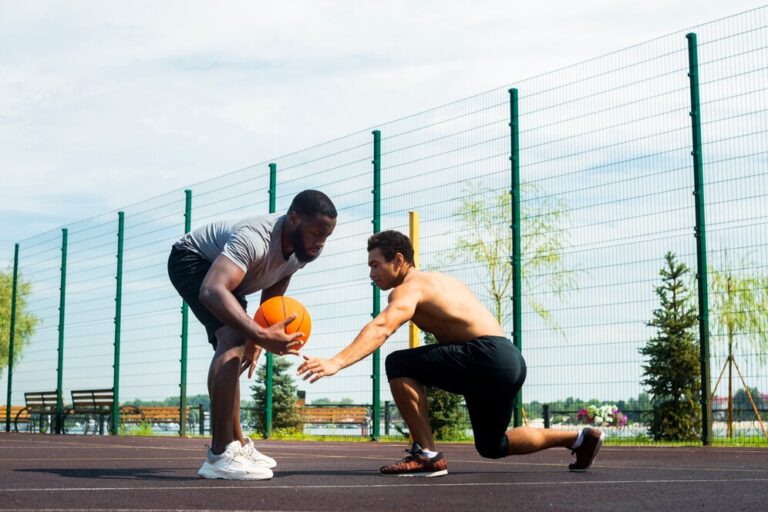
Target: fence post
x,y
376,295
268,381
11,337
184,328
413,231
517,298
201,419
118,319
700,234
60,367
546,415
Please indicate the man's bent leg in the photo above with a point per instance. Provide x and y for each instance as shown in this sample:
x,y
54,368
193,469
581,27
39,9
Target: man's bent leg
x,y
237,430
523,440
223,376
411,400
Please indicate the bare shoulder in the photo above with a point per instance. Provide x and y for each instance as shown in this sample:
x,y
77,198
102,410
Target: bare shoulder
x,y
410,290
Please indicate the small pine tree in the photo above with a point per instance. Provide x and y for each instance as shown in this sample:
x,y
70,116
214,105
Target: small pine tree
x,y
672,374
446,417
284,413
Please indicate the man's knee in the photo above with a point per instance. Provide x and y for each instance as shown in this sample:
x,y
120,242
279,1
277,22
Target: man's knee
x,y
492,448
228,338
395,364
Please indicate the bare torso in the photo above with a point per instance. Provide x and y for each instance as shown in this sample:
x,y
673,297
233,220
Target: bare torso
x,y
447,308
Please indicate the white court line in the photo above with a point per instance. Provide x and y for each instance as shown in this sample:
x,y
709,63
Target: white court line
x,y
358,457
251,488
135,510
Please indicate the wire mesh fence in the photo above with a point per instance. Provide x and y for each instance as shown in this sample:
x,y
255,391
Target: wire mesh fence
x,y
607,190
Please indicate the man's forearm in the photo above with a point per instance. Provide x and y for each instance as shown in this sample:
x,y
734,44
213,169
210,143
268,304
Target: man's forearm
x,y
226,308
370,338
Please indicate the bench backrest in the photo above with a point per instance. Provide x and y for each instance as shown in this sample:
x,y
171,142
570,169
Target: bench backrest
x,y
334,414
14,410
93,400
41,402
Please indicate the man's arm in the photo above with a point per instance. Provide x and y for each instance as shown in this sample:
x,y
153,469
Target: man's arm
x,y
401,308
216,294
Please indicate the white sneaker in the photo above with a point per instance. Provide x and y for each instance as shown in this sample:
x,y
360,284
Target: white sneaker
x,y
255,456
232,464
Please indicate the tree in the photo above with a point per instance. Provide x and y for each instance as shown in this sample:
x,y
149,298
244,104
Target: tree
x,y
446,414
25,324
488,242
744,399
739,310
284,413
672,374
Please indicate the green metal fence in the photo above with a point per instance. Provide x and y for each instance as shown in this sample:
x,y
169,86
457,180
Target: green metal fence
x,y
606,154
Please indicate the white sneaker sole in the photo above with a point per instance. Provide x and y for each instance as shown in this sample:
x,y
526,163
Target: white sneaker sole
x,y
264,463
442,472
213,474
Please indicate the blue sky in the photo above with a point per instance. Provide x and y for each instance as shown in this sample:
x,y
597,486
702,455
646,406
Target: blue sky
x,y
100,98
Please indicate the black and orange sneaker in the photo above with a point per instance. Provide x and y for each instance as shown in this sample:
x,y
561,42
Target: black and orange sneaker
x,y
417,464
587,450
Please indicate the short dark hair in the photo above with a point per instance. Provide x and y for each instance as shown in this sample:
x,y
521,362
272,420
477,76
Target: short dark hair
x,y
390,243
311,203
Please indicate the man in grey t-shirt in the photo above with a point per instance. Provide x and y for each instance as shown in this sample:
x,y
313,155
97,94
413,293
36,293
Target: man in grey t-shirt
x,y
213,268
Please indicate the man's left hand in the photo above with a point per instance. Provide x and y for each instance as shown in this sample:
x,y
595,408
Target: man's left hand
x,y
250,357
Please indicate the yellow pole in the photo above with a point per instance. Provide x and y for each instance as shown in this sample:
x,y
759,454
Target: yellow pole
x,y
413,222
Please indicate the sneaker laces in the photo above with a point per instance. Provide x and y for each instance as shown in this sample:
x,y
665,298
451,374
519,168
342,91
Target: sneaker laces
x,y
415,449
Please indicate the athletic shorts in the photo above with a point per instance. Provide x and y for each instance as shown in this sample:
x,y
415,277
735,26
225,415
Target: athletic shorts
x,y
187,270
488,371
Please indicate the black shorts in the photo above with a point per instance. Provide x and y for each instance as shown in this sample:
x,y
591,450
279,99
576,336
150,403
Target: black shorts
x,y
489,371
187,270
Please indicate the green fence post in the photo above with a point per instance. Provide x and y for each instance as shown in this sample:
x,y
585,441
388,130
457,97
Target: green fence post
x,y
517,297
118,320
701,240
376,295
60,367
184,328
11,337
270,358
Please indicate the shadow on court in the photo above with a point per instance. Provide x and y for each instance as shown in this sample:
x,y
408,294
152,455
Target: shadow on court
x,y
45,472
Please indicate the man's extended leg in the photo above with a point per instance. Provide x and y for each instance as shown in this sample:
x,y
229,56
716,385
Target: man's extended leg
x,y
524,440
411,400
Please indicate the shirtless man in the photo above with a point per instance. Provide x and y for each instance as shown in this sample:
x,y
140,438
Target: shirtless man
x,y
472,358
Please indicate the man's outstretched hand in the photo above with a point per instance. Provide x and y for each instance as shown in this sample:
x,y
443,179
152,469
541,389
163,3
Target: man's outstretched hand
x,y
315,368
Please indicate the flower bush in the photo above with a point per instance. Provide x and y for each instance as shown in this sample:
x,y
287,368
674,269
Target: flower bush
x,y
604,415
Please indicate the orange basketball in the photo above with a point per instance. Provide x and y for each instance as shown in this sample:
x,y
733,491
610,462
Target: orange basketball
x,y
276,309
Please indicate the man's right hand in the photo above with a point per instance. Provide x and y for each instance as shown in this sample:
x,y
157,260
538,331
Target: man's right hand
x,y
274,338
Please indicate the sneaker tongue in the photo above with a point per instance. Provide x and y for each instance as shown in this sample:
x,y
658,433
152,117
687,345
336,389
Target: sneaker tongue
x,y
416,448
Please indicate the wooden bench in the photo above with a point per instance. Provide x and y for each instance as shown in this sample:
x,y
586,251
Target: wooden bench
x,y
336,415
15,410
160,416
94,406
39,412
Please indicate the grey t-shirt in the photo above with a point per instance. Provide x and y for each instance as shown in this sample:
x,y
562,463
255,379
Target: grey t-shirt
x,y
253,244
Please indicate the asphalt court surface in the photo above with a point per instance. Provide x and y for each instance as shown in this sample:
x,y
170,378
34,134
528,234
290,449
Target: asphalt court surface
x,y
72,473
